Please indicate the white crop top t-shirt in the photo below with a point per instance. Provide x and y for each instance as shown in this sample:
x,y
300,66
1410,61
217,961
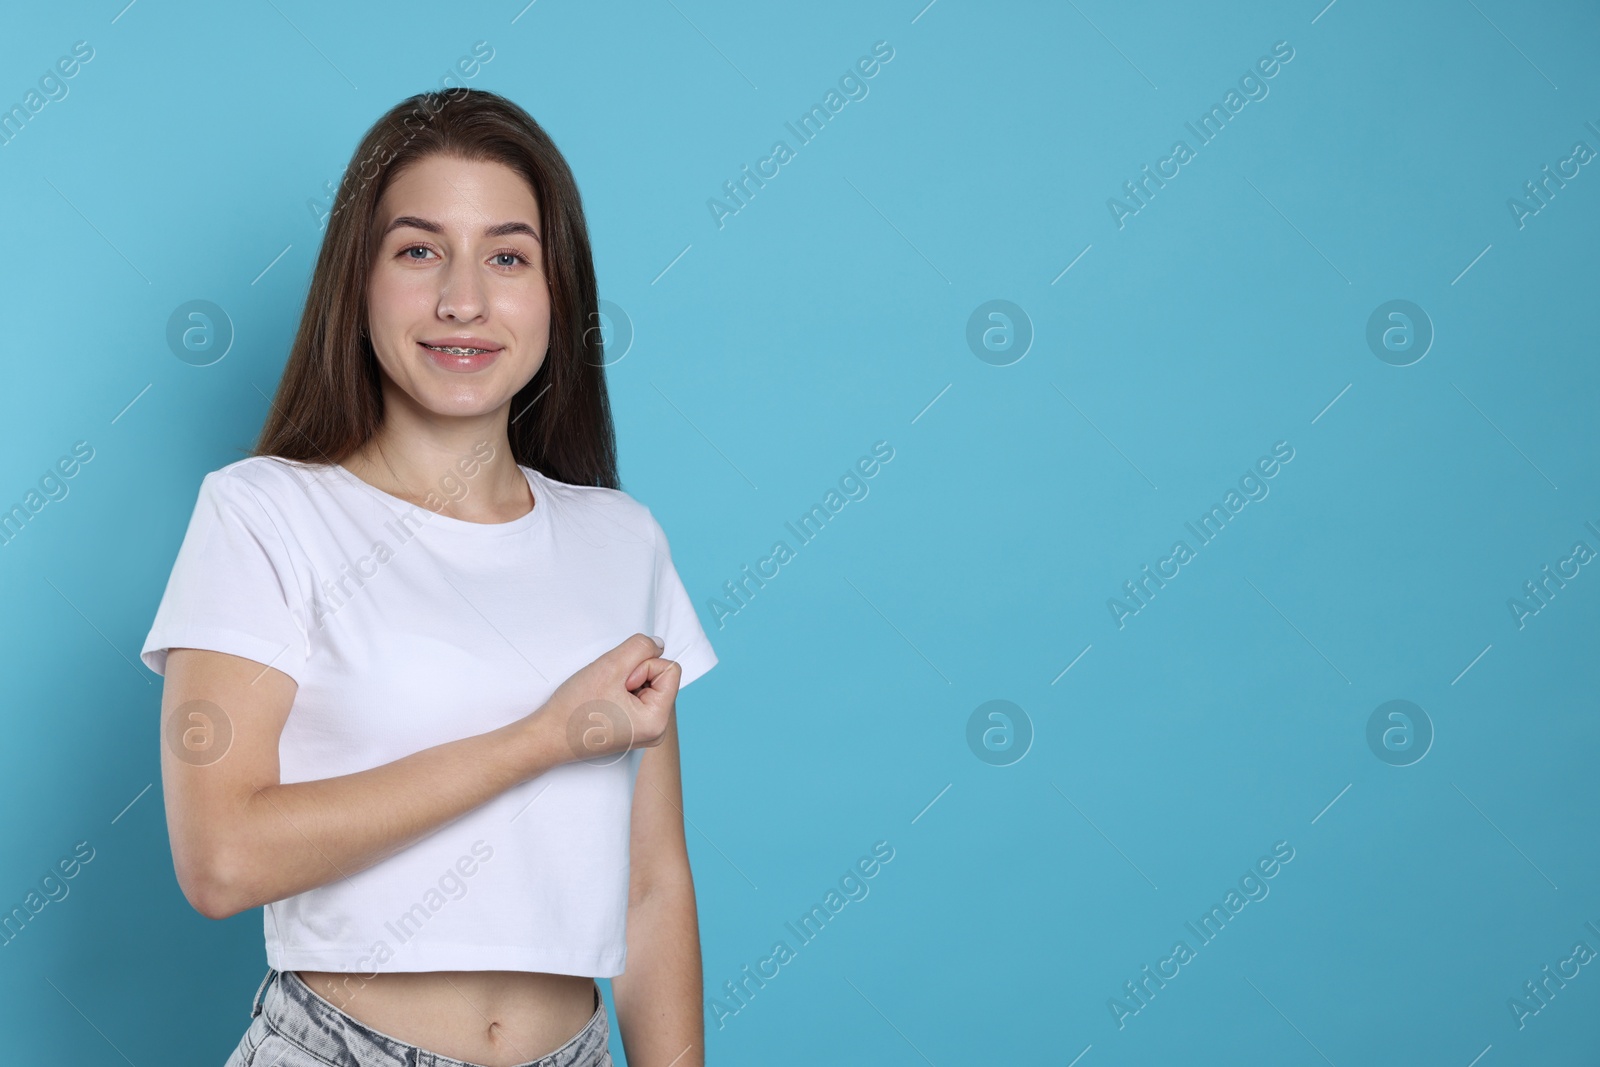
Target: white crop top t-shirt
x,y
406,629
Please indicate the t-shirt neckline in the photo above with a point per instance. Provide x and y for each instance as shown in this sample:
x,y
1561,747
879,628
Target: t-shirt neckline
x,y
537,484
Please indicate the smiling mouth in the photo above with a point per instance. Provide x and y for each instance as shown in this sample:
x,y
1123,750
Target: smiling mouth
x,y
456,350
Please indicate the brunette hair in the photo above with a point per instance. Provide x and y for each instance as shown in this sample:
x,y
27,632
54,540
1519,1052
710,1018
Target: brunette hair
x,y
329,401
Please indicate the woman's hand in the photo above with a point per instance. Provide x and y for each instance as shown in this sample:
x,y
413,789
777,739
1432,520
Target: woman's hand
x,y
621,701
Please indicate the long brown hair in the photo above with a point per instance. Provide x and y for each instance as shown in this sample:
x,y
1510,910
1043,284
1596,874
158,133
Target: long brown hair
x,y
329,400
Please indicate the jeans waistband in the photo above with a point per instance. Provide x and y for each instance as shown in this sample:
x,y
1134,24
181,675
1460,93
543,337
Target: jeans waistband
x,y
298,1014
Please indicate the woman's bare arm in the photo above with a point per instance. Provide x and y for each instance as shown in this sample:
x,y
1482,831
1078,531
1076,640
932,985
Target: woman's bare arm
x,y
659,1012
241,838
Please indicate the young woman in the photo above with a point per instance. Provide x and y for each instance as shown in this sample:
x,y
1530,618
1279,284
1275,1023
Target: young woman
x,y
422,654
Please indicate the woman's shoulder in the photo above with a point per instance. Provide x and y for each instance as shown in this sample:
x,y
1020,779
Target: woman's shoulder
x,y
271,481
614,505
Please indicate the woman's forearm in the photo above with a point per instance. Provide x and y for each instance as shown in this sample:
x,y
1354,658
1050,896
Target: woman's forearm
x,y
659,1012
288,838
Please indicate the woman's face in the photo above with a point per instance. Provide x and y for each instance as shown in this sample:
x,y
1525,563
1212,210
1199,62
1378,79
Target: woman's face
x,y
459,265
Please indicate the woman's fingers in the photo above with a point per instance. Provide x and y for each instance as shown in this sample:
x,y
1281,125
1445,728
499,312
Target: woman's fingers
x,y
659,678
655,700
634,654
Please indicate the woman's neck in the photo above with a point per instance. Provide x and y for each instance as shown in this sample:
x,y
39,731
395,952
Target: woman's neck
x,y
475,480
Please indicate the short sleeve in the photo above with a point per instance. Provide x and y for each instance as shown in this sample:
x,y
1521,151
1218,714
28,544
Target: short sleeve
x,y
673,616
230,588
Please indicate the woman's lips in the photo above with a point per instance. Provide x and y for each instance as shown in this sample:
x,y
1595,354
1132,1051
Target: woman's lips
x,y
452,361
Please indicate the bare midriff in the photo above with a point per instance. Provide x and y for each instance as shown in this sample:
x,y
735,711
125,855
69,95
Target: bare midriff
x,y
493,1018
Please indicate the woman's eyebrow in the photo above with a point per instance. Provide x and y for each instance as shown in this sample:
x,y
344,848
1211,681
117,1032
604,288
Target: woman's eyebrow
x,y
503,229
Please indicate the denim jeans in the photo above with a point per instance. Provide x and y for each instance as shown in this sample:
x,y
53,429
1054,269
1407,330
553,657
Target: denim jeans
x,y
291,1026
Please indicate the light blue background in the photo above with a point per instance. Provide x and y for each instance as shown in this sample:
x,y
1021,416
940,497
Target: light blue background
x,y
1229,314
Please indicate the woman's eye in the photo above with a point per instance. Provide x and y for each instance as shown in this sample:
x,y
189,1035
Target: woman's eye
x,y
420,253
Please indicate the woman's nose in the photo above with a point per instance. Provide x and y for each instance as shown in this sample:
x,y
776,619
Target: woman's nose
x,y
461,290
